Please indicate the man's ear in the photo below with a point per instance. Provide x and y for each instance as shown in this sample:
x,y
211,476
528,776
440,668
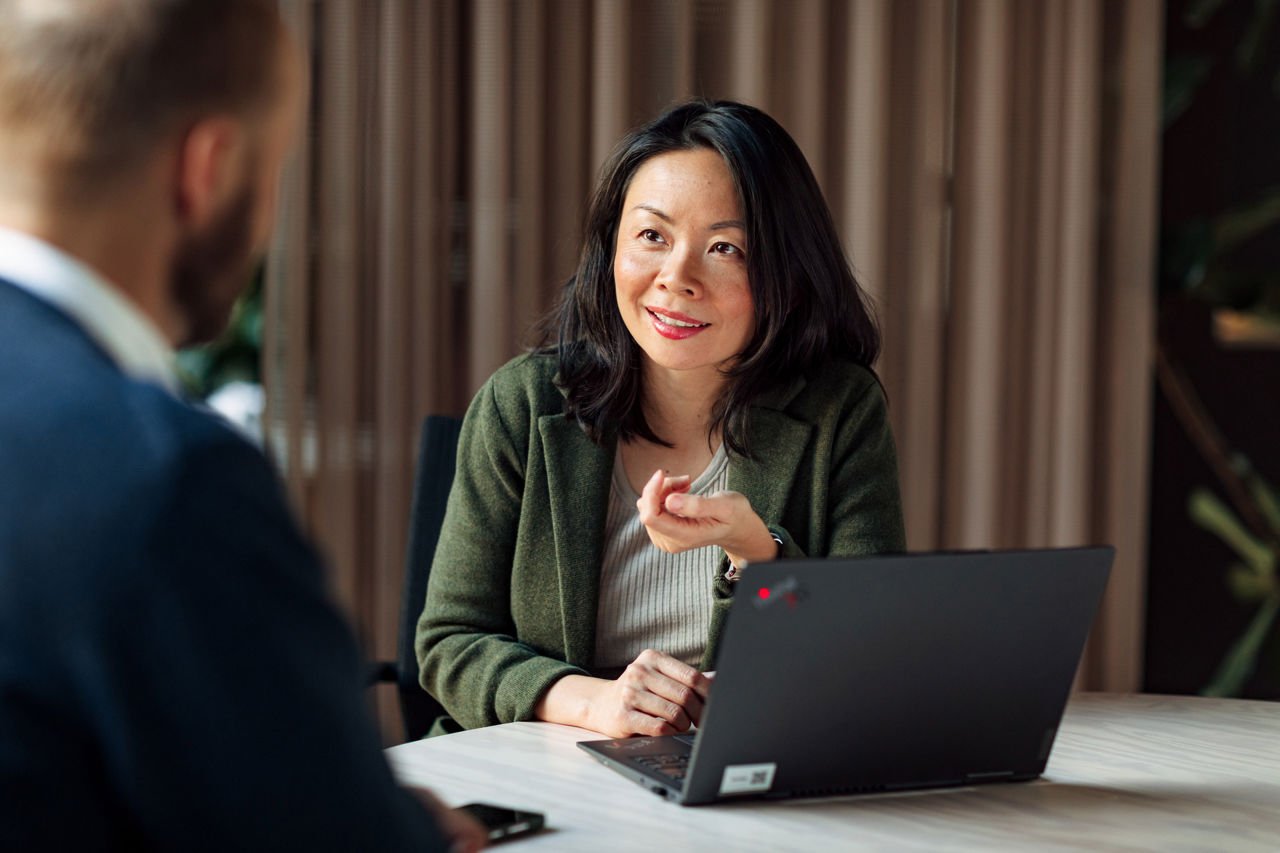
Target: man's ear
x,y
208,163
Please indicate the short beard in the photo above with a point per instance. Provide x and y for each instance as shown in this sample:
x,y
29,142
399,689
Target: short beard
x,y
211,269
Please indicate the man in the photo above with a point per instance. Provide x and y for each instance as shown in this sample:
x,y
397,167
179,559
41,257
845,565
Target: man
x,y
172,675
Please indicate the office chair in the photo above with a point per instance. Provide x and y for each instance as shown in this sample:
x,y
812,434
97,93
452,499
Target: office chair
x,y
437,452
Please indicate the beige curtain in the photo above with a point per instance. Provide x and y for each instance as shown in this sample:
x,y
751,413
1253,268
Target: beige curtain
x,y
992,164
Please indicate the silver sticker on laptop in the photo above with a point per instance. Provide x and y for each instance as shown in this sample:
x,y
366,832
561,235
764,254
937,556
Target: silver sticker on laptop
x,y
747,778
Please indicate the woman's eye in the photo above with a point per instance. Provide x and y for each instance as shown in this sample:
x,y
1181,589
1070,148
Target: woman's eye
x,y
726,249
650,236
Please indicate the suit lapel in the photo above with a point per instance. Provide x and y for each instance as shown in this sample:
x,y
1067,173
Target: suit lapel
x,y
779,442
579,474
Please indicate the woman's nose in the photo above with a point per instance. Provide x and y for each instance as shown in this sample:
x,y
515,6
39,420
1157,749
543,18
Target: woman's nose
x,y
679,275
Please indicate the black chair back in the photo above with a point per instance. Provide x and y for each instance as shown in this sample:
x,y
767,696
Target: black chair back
x,y
437,454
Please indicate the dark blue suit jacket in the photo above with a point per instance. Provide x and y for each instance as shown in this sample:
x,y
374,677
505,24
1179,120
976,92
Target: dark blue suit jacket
x,y
172,672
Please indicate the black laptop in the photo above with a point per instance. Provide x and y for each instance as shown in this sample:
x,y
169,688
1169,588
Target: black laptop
x,y
871,674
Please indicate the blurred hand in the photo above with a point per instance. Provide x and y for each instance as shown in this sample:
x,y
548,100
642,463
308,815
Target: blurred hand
x,y
464,833
677,521
655,695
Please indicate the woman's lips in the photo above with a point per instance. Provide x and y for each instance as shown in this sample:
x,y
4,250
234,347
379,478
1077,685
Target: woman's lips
x,y
674,325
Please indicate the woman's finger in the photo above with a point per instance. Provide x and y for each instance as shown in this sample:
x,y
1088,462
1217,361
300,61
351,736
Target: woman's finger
x,y
676,484
650,503
674,533
691,506
676,672
721,506
640,723
655,705
655,493
673,486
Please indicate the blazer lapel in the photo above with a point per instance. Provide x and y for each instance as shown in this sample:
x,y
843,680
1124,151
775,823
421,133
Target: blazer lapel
x,y
579,474
779,442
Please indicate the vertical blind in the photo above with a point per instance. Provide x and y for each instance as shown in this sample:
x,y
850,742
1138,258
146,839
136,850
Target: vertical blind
x,y
990,163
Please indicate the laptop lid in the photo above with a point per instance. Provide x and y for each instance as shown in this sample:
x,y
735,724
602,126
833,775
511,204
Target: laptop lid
x,y
882,673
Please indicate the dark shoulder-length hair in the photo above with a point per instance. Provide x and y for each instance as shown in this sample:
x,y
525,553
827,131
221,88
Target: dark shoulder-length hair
x,y
809,309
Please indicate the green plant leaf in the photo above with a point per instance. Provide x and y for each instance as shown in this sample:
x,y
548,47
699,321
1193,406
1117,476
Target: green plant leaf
x,y
1199,12
1233,227
193,366
1242,658
1186,249
1268,305
1268,501
1183,77
1213,515
1248,586
1249,52
235,354
1223,286
251,328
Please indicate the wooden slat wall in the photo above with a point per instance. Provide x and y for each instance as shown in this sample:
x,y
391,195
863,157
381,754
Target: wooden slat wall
x,y
996,200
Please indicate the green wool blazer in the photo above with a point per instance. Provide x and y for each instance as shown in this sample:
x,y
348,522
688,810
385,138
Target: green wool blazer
x,y
512,597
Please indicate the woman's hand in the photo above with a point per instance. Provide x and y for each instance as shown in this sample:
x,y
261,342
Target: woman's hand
x,y
677,521
655,695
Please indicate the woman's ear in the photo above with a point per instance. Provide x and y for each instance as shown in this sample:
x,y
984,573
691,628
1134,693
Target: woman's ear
x,y
207,168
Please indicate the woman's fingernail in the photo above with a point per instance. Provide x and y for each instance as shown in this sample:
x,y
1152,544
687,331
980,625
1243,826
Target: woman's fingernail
x,y
675,502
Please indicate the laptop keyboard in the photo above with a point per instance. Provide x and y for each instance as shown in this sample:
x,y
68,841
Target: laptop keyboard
x,y
672,765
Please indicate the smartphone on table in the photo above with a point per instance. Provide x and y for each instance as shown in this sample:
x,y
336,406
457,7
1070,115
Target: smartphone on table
x,y
502,822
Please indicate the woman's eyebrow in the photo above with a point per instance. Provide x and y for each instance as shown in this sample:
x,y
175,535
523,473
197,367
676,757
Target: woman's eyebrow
x,y
655,211
714,226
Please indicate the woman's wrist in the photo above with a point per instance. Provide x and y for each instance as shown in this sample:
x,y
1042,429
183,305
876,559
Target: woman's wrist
x,y
761,546
568,701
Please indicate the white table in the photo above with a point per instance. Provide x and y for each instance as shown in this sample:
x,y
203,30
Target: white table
x,y
1126,773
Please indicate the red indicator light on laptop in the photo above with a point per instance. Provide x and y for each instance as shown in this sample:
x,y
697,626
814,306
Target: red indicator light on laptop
x,y
788,589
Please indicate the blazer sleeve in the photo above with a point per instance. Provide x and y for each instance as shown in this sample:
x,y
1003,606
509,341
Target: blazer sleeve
x,y
865,515
469,656
865,505
228,688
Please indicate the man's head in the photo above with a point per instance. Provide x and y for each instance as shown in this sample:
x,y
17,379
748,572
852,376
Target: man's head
x,y
175,112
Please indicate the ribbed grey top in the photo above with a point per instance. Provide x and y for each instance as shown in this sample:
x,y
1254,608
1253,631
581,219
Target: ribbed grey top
x,y
650,599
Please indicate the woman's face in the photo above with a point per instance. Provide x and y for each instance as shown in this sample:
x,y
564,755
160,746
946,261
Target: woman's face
x,y
680,263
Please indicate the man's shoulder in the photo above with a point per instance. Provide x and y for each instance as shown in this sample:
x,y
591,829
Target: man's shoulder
x,y
59,388
101,473
103,452
100,418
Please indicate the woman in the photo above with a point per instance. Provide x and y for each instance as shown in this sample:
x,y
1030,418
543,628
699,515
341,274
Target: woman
x,y
708,402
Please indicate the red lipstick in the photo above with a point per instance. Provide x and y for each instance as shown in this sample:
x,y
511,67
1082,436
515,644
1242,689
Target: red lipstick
x,y
675,325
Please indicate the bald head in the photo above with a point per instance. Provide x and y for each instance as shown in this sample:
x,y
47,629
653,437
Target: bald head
x,y
90,88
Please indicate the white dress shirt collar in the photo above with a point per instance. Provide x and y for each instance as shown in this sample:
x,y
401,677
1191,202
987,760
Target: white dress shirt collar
x,y
106,315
